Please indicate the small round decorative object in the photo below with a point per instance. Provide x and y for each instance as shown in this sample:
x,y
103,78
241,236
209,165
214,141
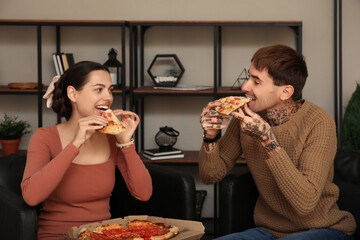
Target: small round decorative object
x,y
166,138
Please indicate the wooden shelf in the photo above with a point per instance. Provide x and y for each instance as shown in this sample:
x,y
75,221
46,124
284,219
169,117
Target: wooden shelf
x,y
149,90
62,22
229,91
212,23
5,89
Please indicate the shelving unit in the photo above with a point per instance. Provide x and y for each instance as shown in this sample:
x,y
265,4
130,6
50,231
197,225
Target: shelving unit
x,y
58,24
138,31
137,90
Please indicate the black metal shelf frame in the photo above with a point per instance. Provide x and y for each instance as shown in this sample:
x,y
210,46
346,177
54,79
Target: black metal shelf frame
x,y
137,53
137,100
58,25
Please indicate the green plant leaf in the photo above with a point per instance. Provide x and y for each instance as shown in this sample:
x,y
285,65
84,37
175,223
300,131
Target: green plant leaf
x,y
12,128
351,137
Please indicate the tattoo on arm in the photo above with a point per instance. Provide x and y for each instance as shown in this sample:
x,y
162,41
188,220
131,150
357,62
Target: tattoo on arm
x,y
268,136
269,142
271,146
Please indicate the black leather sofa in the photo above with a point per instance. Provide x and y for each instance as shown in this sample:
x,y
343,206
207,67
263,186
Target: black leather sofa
x,y
173,197
238,194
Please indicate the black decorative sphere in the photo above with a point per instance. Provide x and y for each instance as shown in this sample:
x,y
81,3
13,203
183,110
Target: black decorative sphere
x,y
166,138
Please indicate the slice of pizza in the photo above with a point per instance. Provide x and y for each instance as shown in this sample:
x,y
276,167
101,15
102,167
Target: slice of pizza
x,y
114,126
230,104
144,229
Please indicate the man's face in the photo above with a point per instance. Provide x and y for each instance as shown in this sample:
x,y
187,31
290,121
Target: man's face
x,y
261,88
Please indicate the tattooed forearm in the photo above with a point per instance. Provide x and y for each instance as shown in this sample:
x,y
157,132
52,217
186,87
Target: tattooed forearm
x,y
268,136
255,128
213,126
271,146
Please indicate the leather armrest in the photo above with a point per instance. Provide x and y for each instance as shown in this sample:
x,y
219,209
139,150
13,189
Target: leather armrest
x,y
347,178
18,221
347,165
237,198
173,196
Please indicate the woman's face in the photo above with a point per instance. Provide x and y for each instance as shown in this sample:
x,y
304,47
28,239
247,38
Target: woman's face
x,y
96,95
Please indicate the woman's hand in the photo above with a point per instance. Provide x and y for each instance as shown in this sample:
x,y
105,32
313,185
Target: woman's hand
x,y
212,121
87,127
255,126
130,120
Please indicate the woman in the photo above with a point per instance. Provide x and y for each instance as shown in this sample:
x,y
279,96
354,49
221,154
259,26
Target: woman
x,y
70,167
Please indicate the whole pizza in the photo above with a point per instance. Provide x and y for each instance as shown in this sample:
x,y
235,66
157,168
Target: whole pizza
x,y
136,230
230,104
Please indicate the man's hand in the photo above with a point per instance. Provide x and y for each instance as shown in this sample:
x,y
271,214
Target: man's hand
x,y
255,126
212,121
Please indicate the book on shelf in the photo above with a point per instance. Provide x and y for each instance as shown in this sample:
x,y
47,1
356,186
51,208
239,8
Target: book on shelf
x,y
161,152
56,65
62,61
70,59
163,157
60,64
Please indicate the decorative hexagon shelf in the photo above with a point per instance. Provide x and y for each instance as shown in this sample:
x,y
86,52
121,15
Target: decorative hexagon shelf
x,y
166,70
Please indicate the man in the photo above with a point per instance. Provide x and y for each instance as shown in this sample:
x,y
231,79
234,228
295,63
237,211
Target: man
x,y
289,146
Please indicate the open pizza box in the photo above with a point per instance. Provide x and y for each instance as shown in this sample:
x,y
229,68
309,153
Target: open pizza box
x,y
189,230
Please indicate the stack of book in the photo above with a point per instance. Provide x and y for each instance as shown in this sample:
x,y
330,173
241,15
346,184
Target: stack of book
x,y
159,154
62,61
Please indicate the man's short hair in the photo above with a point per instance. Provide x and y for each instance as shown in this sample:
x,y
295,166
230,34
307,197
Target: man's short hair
x,y
284,65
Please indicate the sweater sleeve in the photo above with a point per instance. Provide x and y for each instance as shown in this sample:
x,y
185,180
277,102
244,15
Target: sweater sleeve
x,y
43,174
303,185
215,164
134,172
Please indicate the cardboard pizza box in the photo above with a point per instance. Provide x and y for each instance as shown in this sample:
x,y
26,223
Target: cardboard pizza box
x,y
189,230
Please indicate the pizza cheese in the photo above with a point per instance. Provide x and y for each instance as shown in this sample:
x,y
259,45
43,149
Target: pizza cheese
x,y
230,104
137,230
114,126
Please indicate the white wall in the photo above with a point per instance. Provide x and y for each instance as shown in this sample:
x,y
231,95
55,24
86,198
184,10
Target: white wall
x,y
193,46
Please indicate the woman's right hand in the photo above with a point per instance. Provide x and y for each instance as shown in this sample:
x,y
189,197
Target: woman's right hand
x,y
87,127
212,121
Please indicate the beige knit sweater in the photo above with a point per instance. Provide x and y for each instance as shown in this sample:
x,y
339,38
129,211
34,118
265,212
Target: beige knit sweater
x,y
296,192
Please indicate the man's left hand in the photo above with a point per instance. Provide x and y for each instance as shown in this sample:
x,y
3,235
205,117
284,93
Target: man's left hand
x,y
255,126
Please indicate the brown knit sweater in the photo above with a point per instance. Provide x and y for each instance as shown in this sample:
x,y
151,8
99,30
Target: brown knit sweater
x,y
296,189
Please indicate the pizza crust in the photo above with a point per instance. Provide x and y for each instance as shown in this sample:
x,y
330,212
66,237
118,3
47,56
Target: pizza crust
x,y
84,233
230,104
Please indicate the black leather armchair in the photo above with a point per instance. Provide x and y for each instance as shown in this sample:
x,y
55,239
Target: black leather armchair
x,y
173,197
238,194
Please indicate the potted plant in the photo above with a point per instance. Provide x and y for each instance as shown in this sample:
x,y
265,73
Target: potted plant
x,y
11,131
352,122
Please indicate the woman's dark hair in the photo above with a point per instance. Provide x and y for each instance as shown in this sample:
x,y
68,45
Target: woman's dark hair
x,y
76,76
284,65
